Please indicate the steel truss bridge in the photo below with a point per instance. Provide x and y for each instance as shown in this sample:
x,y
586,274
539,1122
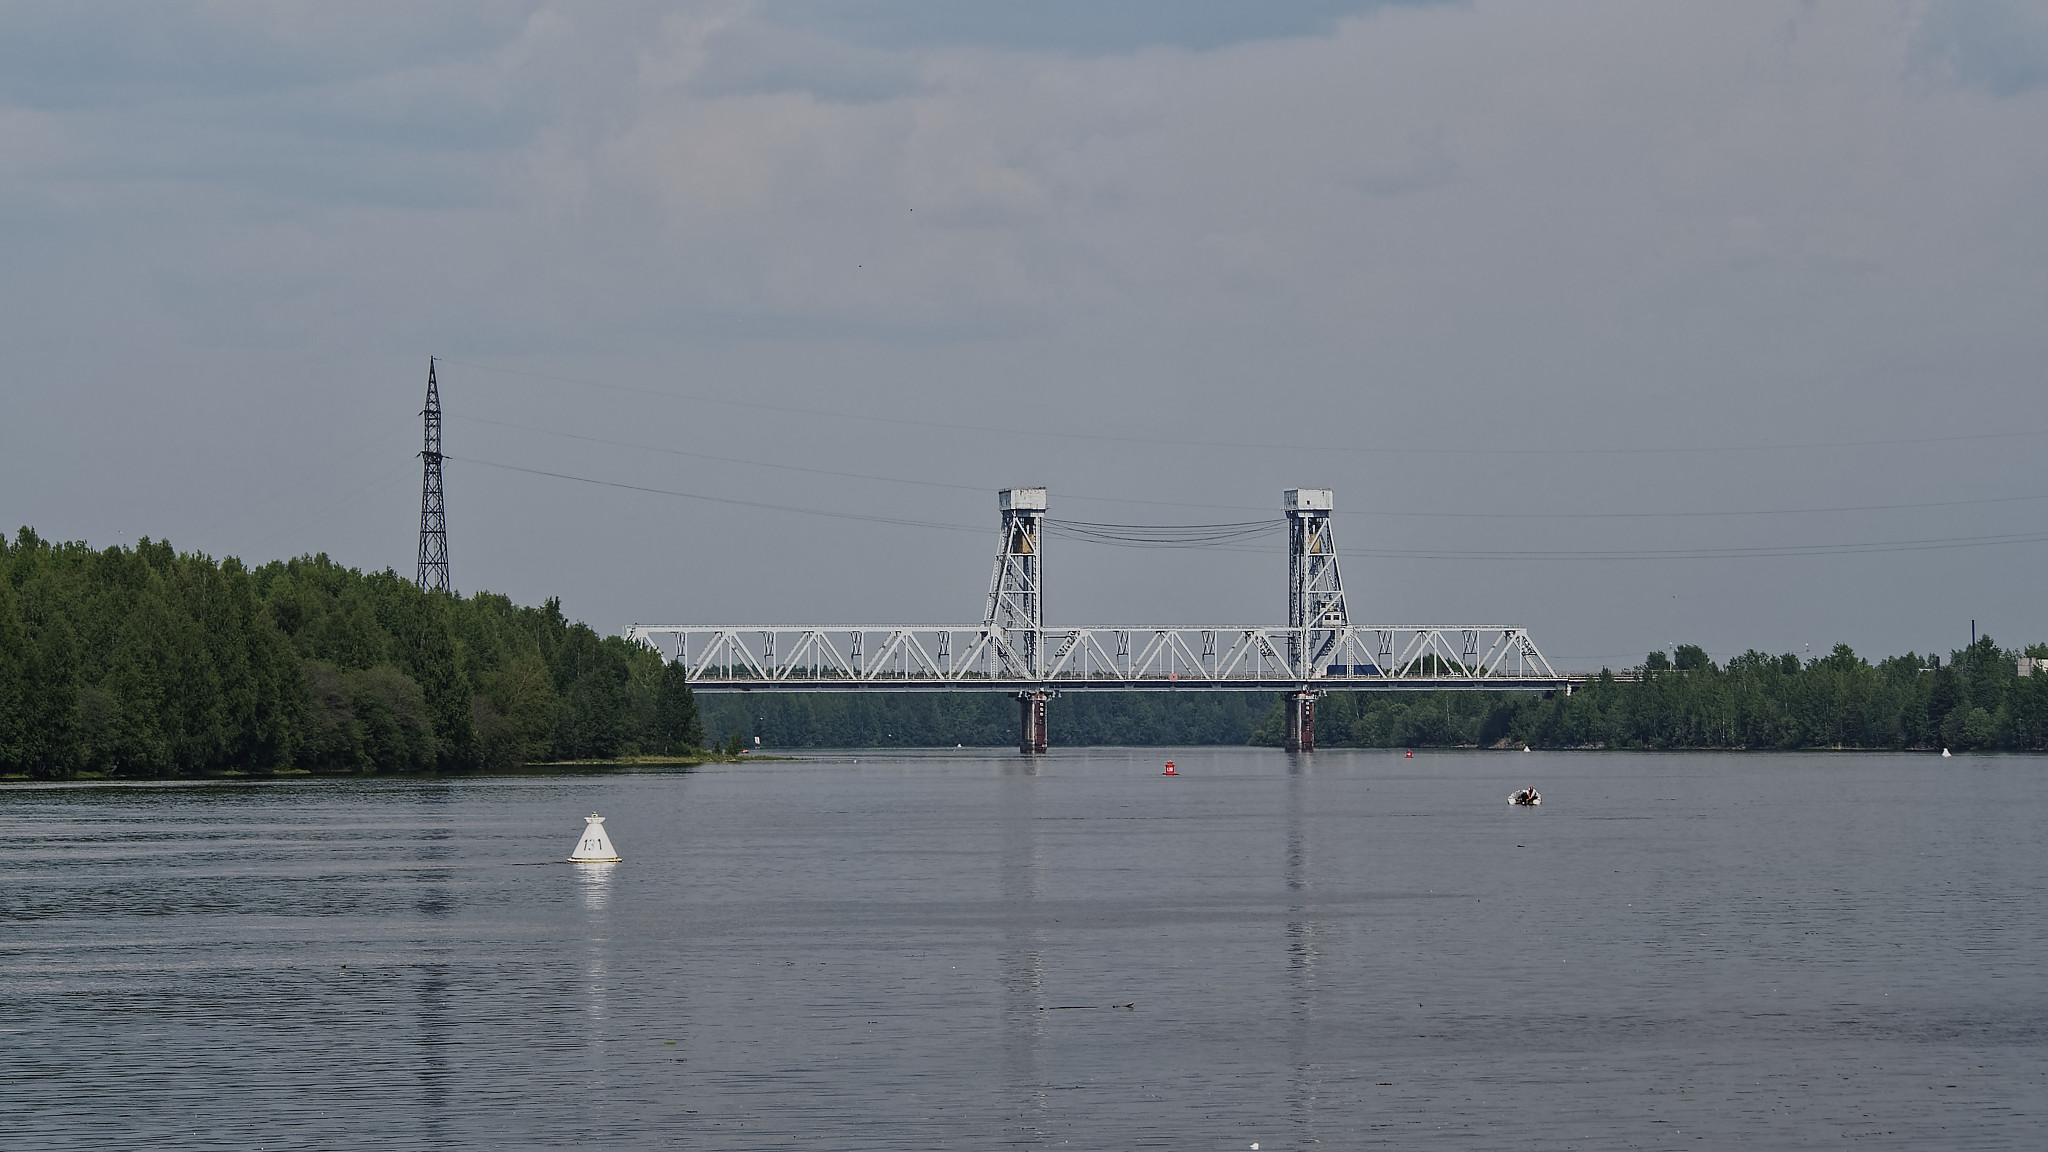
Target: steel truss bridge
x,y
922,658
1014,652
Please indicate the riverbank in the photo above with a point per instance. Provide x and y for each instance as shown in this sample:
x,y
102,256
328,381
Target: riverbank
x,y
539,768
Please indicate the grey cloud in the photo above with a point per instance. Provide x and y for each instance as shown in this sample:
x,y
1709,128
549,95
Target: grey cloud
x,y
404,112
1996,45
1493,225
749,58
82,55
1083,27
1419,163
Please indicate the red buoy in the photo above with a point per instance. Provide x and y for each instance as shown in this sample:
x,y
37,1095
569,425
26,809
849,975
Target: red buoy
x,y
1411,754
1169,770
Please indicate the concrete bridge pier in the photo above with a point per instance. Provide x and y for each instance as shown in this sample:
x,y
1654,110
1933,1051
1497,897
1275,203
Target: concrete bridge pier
x,y
1031,714
1301,721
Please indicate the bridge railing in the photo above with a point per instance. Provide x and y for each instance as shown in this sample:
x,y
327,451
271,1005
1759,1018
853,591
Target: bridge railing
x,y
899,657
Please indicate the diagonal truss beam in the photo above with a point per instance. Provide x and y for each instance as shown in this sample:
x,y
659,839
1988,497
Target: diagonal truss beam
x,y
820,658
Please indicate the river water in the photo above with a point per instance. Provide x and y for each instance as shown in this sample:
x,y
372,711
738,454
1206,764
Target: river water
x,y
974,949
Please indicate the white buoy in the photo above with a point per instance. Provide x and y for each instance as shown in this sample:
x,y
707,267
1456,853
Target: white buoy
x,y
595,847
1944,754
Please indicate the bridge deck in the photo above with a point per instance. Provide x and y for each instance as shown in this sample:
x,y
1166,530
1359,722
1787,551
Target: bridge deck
x,y
924,658
1325,684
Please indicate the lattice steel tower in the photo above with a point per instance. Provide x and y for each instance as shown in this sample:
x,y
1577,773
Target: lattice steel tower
x,y
1315,590
1016,606
1015,624
1315,603
433,571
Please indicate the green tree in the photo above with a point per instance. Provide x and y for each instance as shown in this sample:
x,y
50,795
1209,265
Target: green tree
x,y
331,737
391,712
15,663
676,729
1692,658
514,716
1978,729
50,746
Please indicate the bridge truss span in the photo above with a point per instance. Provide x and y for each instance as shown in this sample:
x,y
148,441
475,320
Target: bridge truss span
x,y
906,658
1013,650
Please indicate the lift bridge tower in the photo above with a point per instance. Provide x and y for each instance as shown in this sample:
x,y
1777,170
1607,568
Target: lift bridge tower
x,y
1014,625
1315,602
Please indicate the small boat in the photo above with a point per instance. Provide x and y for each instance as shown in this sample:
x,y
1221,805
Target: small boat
x,y
1525,798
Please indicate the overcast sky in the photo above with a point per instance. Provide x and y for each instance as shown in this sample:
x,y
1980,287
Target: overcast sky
x,y
1545,292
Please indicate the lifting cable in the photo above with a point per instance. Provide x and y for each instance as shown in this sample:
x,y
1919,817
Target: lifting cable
x,y
1162,535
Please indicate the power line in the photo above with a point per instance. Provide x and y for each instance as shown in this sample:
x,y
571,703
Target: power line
x,y
336,508
744,462
1127,535
1691,515
1758,552
1491,450
715,458
1163,535
1168,536
1191,533
274,493
983,530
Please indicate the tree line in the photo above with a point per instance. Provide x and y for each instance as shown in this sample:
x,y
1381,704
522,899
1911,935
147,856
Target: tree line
x,y
148,662
980,719
1976,699
1972,699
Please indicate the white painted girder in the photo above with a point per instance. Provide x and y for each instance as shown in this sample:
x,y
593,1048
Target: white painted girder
x,y
812,658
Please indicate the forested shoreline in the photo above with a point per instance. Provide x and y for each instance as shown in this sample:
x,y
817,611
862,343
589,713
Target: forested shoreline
x,y
1975,699
981,719
1972,700
145,662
